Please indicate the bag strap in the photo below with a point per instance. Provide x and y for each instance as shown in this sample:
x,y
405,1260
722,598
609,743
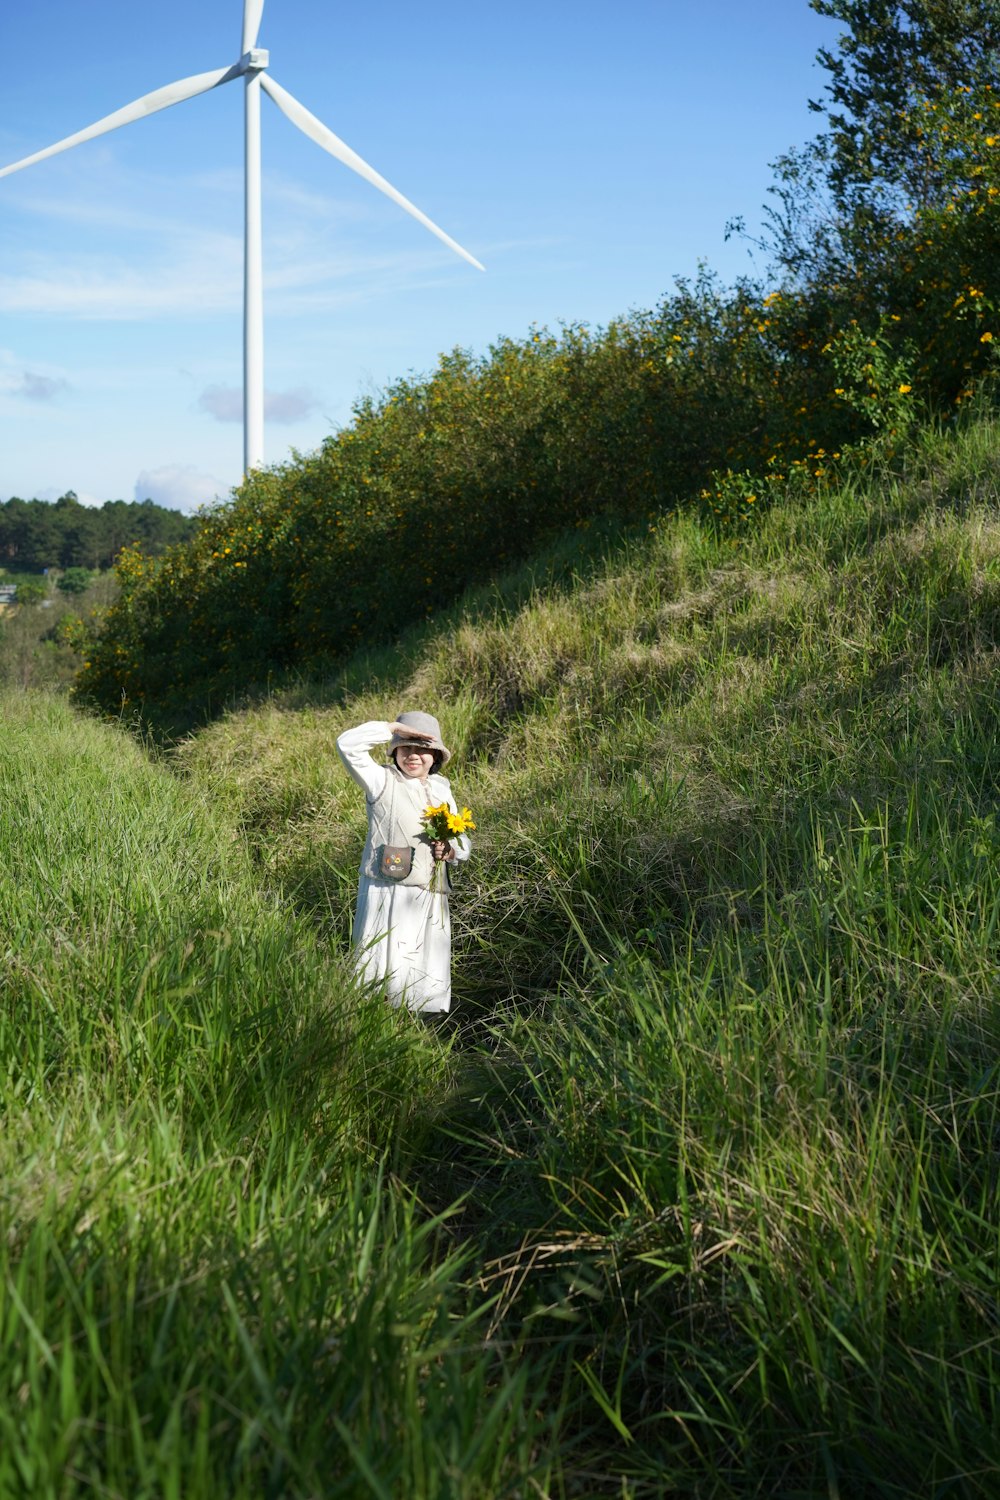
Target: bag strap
x,y
390,832
387,825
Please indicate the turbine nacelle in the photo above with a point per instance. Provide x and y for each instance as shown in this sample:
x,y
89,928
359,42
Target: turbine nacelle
x,y
254,61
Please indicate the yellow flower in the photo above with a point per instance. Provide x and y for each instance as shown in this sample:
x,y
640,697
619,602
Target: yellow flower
x,y
441,823
986,338
904,390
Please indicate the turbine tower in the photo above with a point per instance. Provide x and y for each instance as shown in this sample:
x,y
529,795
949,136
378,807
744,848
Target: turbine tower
x,y
252,68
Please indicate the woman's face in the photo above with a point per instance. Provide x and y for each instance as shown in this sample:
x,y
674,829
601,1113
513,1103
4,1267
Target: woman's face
x,y
414,762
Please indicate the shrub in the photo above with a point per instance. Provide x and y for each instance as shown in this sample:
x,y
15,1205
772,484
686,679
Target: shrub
x,y
31,591
75,581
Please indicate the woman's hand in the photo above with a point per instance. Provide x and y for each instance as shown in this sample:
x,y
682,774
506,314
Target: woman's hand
x,y
407,732
441,849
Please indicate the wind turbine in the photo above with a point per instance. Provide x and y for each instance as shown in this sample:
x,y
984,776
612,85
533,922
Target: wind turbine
x,y
251,67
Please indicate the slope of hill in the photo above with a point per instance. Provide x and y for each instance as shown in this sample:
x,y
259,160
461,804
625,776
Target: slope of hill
x,y
725,1106
698,1193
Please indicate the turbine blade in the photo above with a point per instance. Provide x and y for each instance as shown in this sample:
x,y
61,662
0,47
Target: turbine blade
x,y
318,132
173,93
252,12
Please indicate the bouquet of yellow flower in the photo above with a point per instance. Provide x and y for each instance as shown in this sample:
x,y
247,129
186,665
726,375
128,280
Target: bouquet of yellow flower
x,y
442,824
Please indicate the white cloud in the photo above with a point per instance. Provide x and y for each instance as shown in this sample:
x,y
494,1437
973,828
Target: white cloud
x,y
179,487
207,278
225,404
30,385
88,287
170,255
289,406
40,387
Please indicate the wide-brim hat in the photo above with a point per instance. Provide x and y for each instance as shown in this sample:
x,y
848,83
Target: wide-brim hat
x,y
430,725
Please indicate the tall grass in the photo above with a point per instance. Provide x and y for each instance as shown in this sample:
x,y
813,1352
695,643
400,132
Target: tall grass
x,y
724,1109
211,1279
768,1155
697,1195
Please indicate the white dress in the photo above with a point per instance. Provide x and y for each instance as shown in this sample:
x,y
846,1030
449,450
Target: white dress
x,y
402,933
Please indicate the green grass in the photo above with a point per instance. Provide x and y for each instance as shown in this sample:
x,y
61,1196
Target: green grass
x,y
211,1281
698,1193
724,1114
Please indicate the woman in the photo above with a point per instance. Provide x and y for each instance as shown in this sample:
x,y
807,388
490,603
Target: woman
x,y
402,926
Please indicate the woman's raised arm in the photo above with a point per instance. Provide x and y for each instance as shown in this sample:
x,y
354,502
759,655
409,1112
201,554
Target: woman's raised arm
x,y
354,747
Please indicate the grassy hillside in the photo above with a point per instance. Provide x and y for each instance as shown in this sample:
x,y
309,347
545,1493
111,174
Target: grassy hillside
x,y
696,1193
724,1105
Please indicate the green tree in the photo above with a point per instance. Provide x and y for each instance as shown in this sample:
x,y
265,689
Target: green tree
x,y
893,56
873,166
31,591
75,581
36,534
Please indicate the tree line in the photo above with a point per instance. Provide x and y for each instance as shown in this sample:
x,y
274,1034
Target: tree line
x,y
37,534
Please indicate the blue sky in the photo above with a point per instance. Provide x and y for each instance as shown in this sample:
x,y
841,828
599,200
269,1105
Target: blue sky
x,y
586,152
